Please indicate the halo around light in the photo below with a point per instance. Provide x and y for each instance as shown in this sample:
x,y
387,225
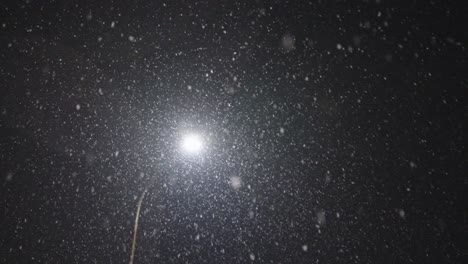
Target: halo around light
x,y
191,144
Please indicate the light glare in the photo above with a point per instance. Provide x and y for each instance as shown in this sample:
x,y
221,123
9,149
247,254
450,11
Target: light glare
x,y
192,144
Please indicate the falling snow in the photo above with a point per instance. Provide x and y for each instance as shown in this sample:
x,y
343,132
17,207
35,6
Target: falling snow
x,y
234,132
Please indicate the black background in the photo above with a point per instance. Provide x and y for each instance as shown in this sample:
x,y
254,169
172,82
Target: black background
x,y
344,120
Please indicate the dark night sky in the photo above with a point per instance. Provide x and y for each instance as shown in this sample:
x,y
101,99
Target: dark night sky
x,y
333,131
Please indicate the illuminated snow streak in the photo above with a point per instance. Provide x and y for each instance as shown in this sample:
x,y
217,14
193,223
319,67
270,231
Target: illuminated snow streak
x,y
135,228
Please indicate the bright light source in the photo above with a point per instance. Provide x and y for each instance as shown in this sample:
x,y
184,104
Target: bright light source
x,y
192,143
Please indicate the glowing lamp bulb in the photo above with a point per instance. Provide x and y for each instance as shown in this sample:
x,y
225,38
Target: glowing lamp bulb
x,y
192,144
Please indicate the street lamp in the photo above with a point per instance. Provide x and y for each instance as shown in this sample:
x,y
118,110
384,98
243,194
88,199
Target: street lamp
x,y
191,144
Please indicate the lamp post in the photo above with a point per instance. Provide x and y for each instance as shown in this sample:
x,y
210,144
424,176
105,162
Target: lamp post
x,y
191,144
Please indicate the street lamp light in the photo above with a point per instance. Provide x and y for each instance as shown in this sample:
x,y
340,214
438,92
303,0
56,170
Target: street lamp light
x,y
191,144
